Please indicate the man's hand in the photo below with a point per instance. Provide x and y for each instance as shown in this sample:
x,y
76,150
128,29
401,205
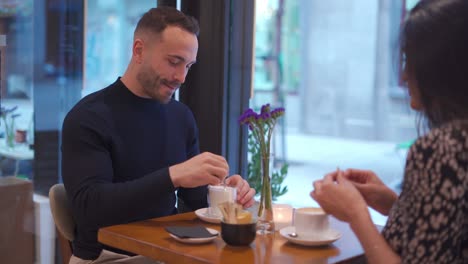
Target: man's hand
x,y
205,168
245,194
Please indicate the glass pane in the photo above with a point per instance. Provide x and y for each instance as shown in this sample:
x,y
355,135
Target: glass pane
x,y
16,132
16,69
46,66
331,65
109,39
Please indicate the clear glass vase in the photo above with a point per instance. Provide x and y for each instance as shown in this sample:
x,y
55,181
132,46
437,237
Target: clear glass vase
x,y
265,224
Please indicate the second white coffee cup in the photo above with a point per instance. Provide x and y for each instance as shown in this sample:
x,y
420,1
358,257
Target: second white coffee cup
x,y
219,194
310,221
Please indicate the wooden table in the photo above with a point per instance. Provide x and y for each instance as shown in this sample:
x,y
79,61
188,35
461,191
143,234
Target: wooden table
x,y
148,238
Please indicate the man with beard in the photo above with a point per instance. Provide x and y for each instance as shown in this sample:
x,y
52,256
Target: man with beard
x,y
128,147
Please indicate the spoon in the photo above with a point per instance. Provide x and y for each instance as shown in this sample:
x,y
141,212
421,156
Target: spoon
x,y
293,234
224,183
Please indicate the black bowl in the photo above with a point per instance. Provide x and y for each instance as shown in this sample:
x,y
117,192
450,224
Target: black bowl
x,y
238,234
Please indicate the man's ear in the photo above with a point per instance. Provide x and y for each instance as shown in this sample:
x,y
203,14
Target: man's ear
x,y
137,52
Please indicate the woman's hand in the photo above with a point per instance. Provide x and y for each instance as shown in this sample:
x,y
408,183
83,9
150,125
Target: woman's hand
x,y
338,197
245,194
375,192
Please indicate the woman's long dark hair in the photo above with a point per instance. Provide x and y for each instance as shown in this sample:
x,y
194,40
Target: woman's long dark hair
x,y
434,42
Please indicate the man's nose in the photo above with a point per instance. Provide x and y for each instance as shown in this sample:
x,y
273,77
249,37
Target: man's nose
x,y
180,74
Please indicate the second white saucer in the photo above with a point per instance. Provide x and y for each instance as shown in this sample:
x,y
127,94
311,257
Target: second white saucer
x,y
322,240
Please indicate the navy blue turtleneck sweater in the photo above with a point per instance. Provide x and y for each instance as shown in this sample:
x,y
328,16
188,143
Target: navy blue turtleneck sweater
x,y
116,151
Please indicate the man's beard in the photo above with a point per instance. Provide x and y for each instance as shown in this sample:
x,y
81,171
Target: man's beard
x,y
151,83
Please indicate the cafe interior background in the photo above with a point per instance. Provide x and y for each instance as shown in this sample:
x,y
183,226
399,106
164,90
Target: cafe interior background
x,y
331,64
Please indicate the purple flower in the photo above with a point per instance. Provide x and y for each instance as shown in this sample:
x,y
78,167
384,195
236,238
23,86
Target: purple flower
x,y
265,109
261,126
246,116
265,116
256,121
277,112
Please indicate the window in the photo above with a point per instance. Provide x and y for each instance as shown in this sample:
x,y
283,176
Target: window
x,y
331,65
43,74
109,39
16,55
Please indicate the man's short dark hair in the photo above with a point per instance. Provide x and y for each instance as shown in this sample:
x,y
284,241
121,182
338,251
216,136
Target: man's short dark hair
x,y
157,19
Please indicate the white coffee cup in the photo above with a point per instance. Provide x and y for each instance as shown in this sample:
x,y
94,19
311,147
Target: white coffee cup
x,y
219,194
310,221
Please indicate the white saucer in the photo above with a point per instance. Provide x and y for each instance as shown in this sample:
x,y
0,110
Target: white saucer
x,y
322,240
202,213
197,240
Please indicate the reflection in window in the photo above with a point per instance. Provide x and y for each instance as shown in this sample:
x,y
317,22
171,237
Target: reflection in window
x,y
109,37
16,69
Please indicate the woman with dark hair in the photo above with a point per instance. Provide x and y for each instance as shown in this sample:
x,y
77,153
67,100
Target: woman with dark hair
x,y
427,222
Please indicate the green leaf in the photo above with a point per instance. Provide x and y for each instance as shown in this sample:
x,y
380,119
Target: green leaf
x,y
254,171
